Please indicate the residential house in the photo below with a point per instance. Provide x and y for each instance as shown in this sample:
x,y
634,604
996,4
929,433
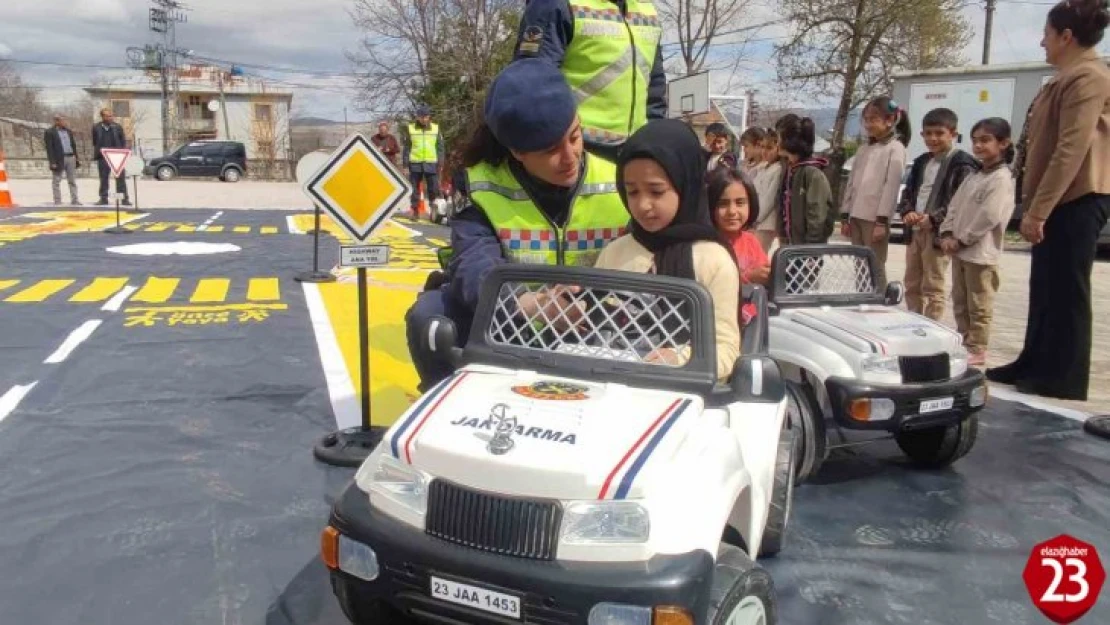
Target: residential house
x,y
211,104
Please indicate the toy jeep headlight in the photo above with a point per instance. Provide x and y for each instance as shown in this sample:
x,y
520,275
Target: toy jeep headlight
x,y
590,522
395,480
957,362
879,365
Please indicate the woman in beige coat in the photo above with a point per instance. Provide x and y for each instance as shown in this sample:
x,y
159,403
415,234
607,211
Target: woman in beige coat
x,y
1063,160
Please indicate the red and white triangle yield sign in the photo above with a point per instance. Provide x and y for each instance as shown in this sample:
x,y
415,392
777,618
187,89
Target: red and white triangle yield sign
x,y
116,158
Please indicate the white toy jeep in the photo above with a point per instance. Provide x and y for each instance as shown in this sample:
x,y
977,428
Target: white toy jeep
x,y
563,476
852,359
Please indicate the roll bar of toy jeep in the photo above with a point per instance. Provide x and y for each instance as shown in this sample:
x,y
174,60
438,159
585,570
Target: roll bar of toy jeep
x,y
502,336
827,275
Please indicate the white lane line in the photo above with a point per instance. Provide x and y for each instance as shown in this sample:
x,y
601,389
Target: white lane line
x,y
344,402
75,338
11,399
114,304
292,224
1033,402
413,231
208,222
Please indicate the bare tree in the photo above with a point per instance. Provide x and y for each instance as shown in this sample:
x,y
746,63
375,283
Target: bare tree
x,y
18,100
848,49
408,44
700,26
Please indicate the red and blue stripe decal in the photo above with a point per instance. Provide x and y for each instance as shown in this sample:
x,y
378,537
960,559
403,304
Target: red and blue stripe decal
x,y
420,415
653,435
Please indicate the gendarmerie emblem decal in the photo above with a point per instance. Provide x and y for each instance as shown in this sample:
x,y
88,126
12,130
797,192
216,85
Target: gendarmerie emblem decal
x,y
502,440
557,391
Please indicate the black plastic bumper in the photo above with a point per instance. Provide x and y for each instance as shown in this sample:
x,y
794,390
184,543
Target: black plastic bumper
x,y
907,402
550,592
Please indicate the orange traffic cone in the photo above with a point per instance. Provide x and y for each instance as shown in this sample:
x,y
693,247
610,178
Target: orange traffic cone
x,y
5,190
422,205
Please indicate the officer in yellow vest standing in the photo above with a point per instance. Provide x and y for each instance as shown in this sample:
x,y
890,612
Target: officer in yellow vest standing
x,y
610,54
422,156
535,196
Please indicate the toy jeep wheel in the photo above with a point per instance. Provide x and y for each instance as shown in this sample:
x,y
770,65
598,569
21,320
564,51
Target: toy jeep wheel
x,y
782,494
938,447
742,593
808,424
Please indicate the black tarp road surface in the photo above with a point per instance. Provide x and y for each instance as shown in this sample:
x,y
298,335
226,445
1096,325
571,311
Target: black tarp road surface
x,y
163,473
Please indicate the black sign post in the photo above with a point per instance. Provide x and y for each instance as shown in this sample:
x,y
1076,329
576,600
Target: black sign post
x,y
350,447
315,275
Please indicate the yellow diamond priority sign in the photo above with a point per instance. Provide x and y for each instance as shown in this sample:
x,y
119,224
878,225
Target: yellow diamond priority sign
x,y
358,187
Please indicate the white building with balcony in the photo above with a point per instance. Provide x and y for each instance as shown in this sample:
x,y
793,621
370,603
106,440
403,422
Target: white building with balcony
x,y
211,103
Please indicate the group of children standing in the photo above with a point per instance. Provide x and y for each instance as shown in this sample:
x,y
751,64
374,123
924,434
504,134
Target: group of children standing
x,y
955,207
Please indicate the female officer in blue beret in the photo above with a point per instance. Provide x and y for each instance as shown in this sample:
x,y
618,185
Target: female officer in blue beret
x,y
535,196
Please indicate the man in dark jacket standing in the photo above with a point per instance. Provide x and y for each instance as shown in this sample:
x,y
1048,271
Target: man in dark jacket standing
x,y
108,134
933,180
386,143
61,153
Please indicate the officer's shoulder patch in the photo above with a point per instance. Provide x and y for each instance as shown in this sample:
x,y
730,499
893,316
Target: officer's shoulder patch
x,y
531,40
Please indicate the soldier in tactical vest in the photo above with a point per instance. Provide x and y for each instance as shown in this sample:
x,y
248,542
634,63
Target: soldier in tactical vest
x,y
423,154
535,196
609,53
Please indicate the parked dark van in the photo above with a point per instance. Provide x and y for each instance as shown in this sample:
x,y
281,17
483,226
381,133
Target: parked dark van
x,y
226,160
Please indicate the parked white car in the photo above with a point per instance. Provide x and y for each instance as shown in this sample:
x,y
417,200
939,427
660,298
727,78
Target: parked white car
x,y
563,476
854,360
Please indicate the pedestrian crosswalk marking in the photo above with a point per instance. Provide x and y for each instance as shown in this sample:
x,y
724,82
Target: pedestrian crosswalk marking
x,y
214,229
186,229
268,230
156,290
99,290
211,290
153,290
155,227
40,291
241,229
263,290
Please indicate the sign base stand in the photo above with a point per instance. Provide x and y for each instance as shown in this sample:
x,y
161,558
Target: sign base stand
x,y
1098,426
350,447
118,229
315,275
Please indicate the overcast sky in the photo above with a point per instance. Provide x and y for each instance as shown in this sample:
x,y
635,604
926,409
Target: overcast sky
x,y
312,35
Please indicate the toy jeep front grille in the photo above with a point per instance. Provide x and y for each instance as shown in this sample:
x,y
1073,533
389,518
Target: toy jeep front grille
x,y
522,528
924,368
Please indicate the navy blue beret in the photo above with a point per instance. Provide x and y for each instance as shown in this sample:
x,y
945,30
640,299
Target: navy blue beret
x,y
423,110
529,106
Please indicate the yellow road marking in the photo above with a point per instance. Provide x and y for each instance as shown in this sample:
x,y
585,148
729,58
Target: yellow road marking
x,y
99,290
241,229
217,308
40,291
186,229
263,290
156,290
211,290
214,229
392,377
4,284
268,230
157,227
437,242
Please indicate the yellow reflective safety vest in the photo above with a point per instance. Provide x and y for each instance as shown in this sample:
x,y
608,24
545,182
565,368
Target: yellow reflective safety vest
x,y
608,66
423,143
596,217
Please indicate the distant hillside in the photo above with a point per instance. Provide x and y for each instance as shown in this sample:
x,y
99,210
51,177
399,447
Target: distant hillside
x,y
313,121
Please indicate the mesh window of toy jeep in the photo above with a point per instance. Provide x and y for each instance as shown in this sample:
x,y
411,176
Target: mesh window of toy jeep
x,y
824,274
644,328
